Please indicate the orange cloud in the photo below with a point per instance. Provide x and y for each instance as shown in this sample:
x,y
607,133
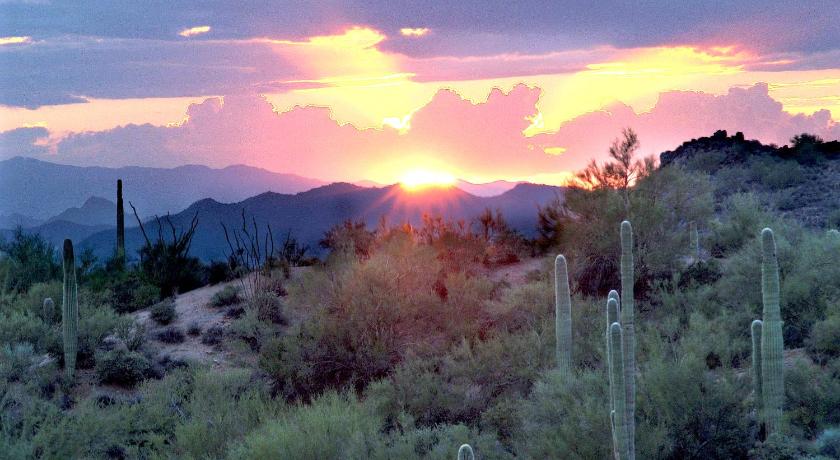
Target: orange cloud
x,y
414,31
193,31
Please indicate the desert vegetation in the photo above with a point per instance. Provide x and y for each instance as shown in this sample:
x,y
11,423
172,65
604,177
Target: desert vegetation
x,y
663,311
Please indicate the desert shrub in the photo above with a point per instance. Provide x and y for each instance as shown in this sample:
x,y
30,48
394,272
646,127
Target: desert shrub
x,y
122,367
25,327
16,360
333,426
213,335
171,334
777,446
131,334
744,219
833,219
221,408
228,295
167,264
194,329
685,411
130,293
30,259
219,272
566,417
828,443
811,399
163,312
251,330
268,308
824,340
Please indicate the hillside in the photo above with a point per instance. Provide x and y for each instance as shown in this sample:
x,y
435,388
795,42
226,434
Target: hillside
x,y
801,181
309,214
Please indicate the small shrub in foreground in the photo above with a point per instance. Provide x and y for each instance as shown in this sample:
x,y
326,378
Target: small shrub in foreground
x,y
164,312
228,295
171,334
122,367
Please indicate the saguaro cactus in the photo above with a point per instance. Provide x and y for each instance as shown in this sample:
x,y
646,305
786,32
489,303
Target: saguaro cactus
x,y
465,452
628,333
620,432
70,311
48,310
772,346
612,317
562,316
120,225
755,333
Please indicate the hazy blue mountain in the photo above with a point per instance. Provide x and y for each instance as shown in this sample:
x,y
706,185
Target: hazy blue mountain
x,y
309,214
14,220
94,211
40,189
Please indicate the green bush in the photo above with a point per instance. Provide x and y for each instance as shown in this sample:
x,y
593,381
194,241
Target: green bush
x,y
122,367
16,361
171,334
29,259
213,335
163,312
228,295
811,399
828,443
824,341
268,308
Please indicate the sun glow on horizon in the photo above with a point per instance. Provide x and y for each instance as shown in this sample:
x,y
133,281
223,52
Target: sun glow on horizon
x,y
417,179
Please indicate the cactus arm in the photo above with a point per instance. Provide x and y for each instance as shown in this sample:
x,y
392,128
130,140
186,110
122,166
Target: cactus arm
x,y
465,452
48,311
755,333
70,311
772,344
617,390
562,315
695,241
629,332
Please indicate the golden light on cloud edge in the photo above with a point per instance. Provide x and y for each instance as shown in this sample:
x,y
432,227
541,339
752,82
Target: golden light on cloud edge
x,y
15,40
414,31
193,31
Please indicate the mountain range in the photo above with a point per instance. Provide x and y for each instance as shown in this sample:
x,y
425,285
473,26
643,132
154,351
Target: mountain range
x,y
308,215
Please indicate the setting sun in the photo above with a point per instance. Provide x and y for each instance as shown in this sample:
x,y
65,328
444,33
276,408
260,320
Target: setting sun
x,y
423,178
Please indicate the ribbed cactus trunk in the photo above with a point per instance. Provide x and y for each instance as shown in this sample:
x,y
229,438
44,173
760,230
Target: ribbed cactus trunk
x,y
695,241
772,346
562,316
755,333
628,334
48,310
465,452
620,430
120,225
612,317
70,311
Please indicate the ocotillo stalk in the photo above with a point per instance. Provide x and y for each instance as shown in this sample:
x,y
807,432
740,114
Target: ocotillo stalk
x,y
617,390
755,333
695,242
772,346
70,311
465,452
562,316
120,224
48,311
629,333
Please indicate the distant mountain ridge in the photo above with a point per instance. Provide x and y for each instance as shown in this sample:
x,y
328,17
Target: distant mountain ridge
x,y
94,211
308,215
39,190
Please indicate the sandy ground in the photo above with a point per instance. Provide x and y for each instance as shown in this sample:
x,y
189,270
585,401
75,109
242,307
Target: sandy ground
x,y
192,308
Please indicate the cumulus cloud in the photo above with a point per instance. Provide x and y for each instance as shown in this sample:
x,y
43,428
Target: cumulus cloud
x,y
23,142
472,140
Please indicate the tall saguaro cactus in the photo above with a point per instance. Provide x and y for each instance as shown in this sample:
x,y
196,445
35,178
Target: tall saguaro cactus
x,y
628,333
562,316
70,311
612,317
772,346
120,225
755,334
618,397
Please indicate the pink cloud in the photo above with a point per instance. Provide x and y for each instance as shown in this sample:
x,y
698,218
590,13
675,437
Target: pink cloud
x,y
472,140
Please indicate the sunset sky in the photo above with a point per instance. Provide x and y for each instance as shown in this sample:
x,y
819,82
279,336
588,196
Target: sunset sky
x,y
354,90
